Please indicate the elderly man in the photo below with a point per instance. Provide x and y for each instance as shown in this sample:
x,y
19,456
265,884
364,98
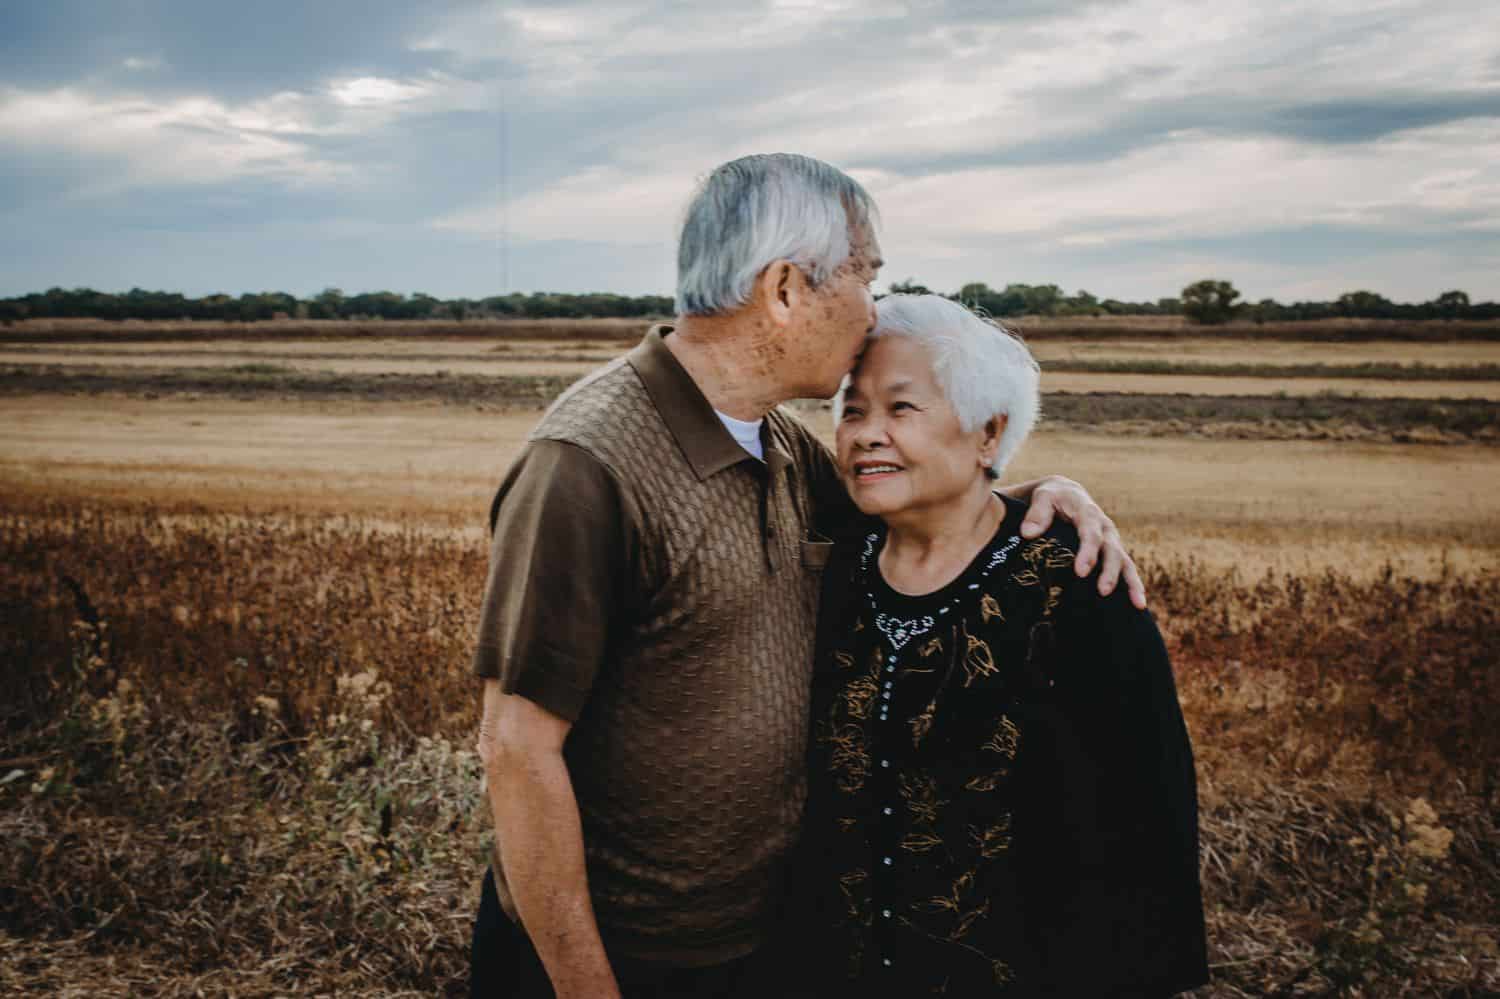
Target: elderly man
x,y
647,629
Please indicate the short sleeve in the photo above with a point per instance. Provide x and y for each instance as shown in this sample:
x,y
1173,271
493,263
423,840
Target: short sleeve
x,y
560,549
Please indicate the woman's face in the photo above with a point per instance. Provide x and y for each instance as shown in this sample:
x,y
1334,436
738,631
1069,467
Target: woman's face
x,y
901,449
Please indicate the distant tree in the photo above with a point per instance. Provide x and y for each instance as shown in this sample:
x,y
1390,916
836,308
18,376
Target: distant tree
x,y
1451,304
1266,310
1041,299
1209,302
1364,305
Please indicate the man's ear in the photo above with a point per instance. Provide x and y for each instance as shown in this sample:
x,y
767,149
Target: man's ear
x,y
990,445
779,287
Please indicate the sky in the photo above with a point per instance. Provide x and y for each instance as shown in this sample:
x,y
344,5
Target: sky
x,y
466,149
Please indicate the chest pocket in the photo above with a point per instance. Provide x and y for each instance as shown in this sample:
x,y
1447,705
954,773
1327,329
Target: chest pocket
x,y
814,554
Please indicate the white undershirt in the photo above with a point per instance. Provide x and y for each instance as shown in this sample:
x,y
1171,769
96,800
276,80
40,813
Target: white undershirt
x,y
747,434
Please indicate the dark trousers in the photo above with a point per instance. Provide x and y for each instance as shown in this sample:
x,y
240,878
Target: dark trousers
x,y
505,966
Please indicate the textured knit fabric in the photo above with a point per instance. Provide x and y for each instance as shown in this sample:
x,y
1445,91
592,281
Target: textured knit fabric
x,y
1003,797
687,659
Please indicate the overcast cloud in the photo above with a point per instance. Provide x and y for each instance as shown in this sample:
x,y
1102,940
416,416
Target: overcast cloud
x,y
1300,150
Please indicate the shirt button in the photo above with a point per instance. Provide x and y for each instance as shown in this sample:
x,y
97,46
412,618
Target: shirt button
x,y
886,962
885,763
887,861
885,913
886,695
890,669
886,809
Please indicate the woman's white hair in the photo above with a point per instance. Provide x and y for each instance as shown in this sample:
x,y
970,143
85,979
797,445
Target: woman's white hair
x,y
983,368
759,209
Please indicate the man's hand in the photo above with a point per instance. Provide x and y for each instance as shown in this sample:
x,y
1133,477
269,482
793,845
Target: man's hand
x,y
1056,496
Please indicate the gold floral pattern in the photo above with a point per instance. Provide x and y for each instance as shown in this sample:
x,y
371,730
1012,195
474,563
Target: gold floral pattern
x,y
954,825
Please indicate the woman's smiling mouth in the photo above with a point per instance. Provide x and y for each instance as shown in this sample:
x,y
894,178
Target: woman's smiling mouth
x,y
869,469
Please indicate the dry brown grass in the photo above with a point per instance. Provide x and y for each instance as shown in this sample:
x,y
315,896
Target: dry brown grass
x,y
246,770
242,766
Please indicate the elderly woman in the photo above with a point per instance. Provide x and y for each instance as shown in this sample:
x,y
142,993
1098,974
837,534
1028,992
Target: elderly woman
x,y
1002,794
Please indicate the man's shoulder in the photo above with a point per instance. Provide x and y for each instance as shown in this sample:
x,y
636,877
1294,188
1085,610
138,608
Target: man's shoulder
x,y
607,406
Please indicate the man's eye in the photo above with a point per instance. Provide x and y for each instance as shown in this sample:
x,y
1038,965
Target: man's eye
x,y
850,411
901,405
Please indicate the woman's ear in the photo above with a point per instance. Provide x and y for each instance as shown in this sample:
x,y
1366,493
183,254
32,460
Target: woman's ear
x,y
990,445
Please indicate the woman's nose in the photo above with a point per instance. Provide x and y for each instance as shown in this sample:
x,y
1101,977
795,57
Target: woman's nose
x,y
871,433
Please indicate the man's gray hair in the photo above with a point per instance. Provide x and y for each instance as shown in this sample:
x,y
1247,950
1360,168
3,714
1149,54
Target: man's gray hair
x,y
758,209
983,369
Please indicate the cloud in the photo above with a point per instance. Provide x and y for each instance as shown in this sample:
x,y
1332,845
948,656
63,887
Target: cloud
x,y
195,140
373,91
201,139
1147,130
597,205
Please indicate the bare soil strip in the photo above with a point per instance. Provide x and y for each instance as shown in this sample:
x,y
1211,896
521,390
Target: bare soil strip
x,y
1033,327
434,346
328,364
1278,417
1370,369
1213,385
564,359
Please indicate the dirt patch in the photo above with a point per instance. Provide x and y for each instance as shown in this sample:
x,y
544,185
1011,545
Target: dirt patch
x,y
1401,420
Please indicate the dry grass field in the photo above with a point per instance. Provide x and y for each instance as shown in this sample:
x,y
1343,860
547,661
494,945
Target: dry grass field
x,y
235,755
1293,506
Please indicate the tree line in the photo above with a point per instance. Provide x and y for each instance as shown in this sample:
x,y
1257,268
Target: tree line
x,y
1208,301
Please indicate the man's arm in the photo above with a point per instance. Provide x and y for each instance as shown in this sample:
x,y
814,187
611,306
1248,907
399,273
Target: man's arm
x,y
1054,496
563,545
541,840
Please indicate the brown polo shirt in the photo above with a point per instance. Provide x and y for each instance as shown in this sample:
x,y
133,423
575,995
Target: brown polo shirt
x,y
657,586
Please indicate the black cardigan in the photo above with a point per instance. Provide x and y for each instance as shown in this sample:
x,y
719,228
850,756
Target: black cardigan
x,y
1002,797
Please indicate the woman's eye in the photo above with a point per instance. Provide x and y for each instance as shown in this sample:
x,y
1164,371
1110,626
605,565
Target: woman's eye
x,y
896,406
850,411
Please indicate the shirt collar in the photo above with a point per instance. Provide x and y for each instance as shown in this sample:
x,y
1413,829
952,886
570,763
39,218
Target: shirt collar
x,y
705,442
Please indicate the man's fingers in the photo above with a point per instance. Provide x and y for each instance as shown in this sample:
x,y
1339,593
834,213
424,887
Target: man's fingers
x,y
1090,538
1039,516
1114,559
1136,585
